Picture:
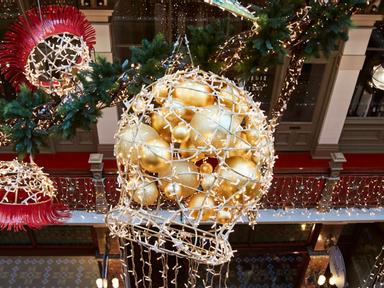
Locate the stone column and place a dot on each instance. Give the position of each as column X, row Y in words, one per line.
column 351, row 62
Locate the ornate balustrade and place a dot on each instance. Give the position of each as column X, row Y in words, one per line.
column 287, row 191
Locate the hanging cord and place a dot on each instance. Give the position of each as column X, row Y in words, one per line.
column 289, row 86
column 45, row 44
column 176, row 55
column 188, row 49
column 27, row 21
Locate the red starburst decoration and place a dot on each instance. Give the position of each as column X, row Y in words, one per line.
column 27, row 197
column 28, row 31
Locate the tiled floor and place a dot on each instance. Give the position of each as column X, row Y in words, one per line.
column 48, row 272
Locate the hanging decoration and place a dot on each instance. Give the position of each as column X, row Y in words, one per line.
column 327, row 26
column 27, row 197
column 46, row 48
column 192, row 148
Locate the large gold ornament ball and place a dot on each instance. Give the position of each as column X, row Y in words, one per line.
column 183, row 173
column 201, row 141
column 155, row 155
column 146, row 193
column 201, row 206
column 193, row 93
column 126, row 145
column 215, row 126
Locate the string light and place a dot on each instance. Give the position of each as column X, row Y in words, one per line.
column 27, row 197
column 218, row 144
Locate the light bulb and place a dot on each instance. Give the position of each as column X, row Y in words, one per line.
column 99, row 283
column 303, row 227
column 321, row 280
column 378, row 77
column 332, row 280
column 115, row 283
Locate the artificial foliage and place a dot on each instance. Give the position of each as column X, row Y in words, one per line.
column 107, row 84
column 206, row 40
column 23, row 130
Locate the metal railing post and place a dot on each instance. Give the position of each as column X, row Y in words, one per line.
column 336, row 166
column 97, row 166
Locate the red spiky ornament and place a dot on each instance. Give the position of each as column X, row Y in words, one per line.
column 27, row 197
column 46, row 48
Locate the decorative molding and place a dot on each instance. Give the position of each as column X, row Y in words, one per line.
column 97, row 15
column 107, row 150
column 366, row 20
column 363, row 135
column 323, row 151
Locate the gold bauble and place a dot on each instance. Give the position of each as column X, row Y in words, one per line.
column 253, row 192
column 237, row 174
column 173, row 190
column 223, row 216
column 159, row 123
column 253, row 136
column 139, row 105
column 193, row 93
column 208, row 181
column 155, row 155
column 160, row 92
column 227, row 96
column 231, row 98
column 185, row 173
column 181, row 132
column 129, row 139
column 245, row 169
column 146, row 193
column 174, row 111
column 214, row 125
column 241, row 147
column 190, row 151
column 202, row 204
column 206, row 168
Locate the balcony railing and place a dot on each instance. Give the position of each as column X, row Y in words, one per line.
column 287, row 191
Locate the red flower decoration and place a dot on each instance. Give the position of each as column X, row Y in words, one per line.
column 27, row 197
column 28, row 31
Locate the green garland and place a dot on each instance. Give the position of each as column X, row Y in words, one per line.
column 105, row 81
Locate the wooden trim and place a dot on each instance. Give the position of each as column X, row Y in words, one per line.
column 362, row 135
column 323, row 151
column 366, row 20
column 106, row 150
column 301, row 279
column 315, row 235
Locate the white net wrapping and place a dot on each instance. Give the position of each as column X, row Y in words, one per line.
column 54, row 62
column 195, row 154
column 24, row 183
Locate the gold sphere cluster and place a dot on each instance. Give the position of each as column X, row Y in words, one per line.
column 195, row 142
